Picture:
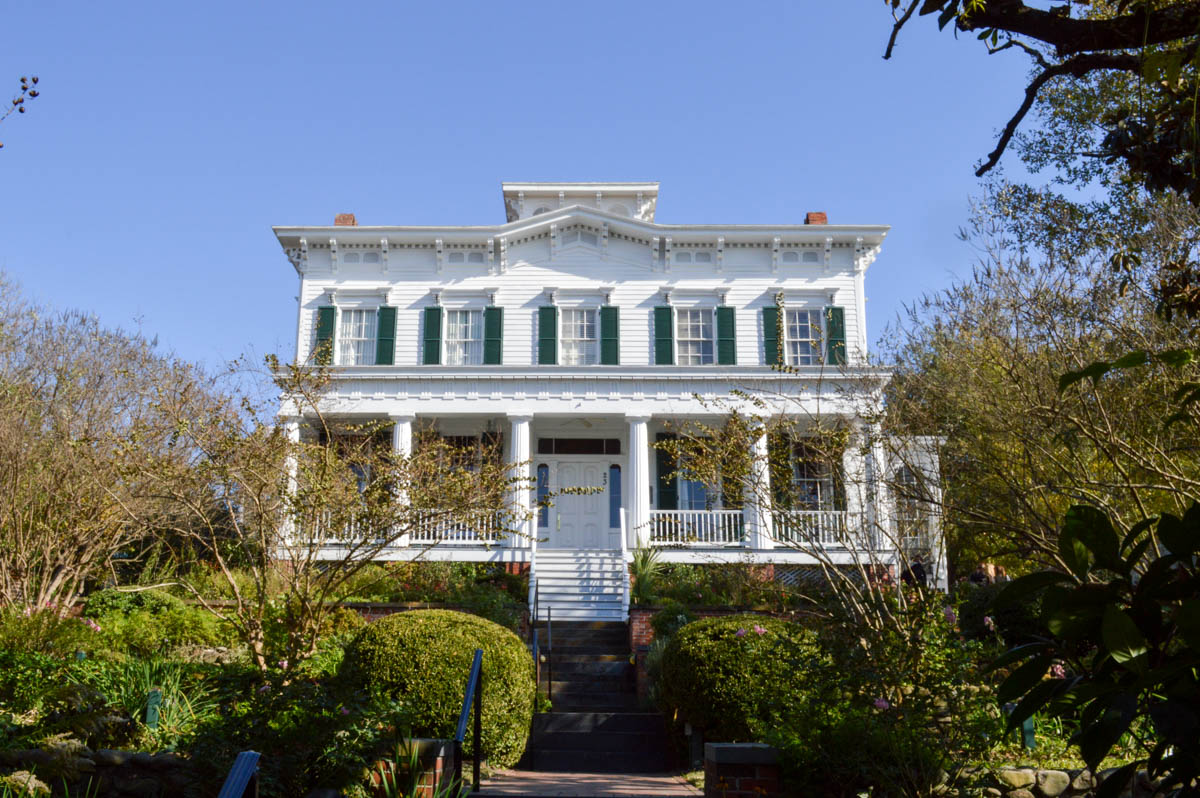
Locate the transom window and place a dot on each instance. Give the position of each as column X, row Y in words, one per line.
column 356, row 337
column 464, row 337
column 694, row 334
column 579, row 337
column 802, row 331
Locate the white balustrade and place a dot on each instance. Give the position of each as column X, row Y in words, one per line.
column 828, row 529
column 472, row 529
column 697, row 528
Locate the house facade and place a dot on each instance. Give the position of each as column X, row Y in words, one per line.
column 581, row 331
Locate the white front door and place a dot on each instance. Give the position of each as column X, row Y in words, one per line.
column 580, row 521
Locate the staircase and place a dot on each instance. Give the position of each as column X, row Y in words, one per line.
column 595, row 726
column 581, row 585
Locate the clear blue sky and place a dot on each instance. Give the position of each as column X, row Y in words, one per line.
column 169, row 137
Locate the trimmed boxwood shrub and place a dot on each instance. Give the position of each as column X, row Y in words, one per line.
column 424, row 657
column 720, row 674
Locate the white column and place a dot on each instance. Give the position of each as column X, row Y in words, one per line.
column 291, row 429
column 520, row 456
column 402, row 446
column 402, row 435
column 757, row 496
column 863, row 523
column 639, row 481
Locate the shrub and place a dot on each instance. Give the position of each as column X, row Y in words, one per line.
column 424, row 657
column 44, row 631
column 670, row 619
column 147, row 634
column 154, row 602
column 720, row 674
column 1015, row 622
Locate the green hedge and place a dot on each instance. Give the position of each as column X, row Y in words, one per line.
column 423, row 657
column 720, row 674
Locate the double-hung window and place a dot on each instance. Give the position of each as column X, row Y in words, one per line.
column 802, row 334
column 464, row 337
column 694, row 336
column 813, row 480
column 580, row 341
column 356, row 337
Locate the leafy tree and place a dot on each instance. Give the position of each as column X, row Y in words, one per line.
column 290, row 514
column 1150, row 45
column 76, row 400
column 1122, row 644
column 980, row 364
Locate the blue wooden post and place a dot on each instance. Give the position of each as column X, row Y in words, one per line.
column 153, row 702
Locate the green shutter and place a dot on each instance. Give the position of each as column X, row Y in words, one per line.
column 726, row 337
column 668, row 491
column 493, row 336
column 323, row 352
column 385, row 336
column 771, row 335
column 779, row 466
column 835, row 336
column 664, row 336
column 433, row 336
column 547, row 335
column 610, row 335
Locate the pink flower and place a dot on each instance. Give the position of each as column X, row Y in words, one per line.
column 741, row 633
column 881, row 703
column 345, row 711
column 1058, row 671
column 282, row 664
column 758, row 630
column 989, row 622
column 950, row 616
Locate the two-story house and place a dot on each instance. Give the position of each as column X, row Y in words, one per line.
column 581, row 330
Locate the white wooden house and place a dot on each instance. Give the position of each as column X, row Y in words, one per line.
column 580, row 329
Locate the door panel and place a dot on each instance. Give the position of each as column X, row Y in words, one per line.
column 581, row 520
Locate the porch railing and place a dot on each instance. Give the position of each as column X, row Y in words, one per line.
column 473, row 529
column 697, row 528
column 829, row 529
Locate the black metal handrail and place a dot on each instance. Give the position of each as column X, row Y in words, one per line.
column 242, row 781
column 537, row 665
column 473, row 695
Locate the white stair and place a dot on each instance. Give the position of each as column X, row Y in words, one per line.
column 581, row 585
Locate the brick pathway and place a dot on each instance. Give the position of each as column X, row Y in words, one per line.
column 585, row 785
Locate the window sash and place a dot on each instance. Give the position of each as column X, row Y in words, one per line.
column 802, row 337
column 356, row 337
column 694, row 335
column 464, row 337
column 579, row 337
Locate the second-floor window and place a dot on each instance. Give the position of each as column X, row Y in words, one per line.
column 579, row 338
column 464, row 337
column 802, row 332
column 356, row 337
column 694, row 336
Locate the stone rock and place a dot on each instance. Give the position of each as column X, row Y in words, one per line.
column 135, row 787
column 1083, row 780
column 1021, row 793
column 1052, row 783
column 82, row 765
column 992, row 792
column 1015, row 779
column 109, row 757
column 141, row 759
column 167, row 761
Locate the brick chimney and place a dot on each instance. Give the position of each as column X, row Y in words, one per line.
column 816, row 217
column 345, row 220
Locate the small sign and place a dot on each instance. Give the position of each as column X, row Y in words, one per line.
column 153, row 702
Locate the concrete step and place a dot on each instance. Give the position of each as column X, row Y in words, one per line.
column 629, row 722
column 599, row 761
column 596, row 702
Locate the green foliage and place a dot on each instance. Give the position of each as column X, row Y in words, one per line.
column 144, row 633
column 644, row 570
column 401, row 774
column 44, row 631
column 1015, row 622
column 1123, row 642
column 26, row 676
column 670, row 619
column 722, row 674
column 152, row 602
column 424, row 657
column 728, row 585
column 891, row 708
